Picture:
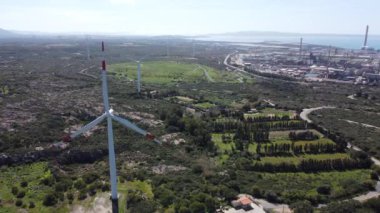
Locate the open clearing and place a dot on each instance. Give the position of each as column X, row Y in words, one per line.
column 164, row 72
column 271, row 112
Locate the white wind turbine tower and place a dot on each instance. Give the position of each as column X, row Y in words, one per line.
column 111, row 150
column 138, row 82
column 139, row 74
column 138, row 77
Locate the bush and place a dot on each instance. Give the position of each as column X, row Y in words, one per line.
column 271, row 196
column 31, row 205
column 256, row 192
column 197, row 169
column 70, row 196
column 90, row 177
column 79, row 184
column 49, row 200
column 14, row 190
column 20, row 194
column 82, row 195
column 18, row 202
column 48, row 181
column 325, row 189
column 61, row 187
column 106, row 187
column 24, row 184
column 374, row 175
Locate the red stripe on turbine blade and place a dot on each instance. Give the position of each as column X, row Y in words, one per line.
column 149, row 136
column 67, row 138
column 104, row 65
column 102, row 46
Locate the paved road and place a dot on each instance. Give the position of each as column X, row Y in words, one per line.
column 305, row 112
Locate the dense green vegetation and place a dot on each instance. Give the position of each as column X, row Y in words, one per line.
column 27, row 186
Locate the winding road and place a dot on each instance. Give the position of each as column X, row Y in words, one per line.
column 305, row 112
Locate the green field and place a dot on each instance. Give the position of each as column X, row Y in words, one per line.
column 34, row 191
column 297, row 159
column 277, row 135
column 270, row 112
column 223, row 147
column 164, row 72
column 183, row 99
column 205, row 105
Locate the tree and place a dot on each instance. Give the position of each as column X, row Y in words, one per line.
column 49, row 200
column 18, row 202
column 82, row 195
column 79, row 184
column 20, row 194
column 70, row 196
column 256, row 192
column 24, row 184
column 324, row 189
column 31, row 205
column 14, row 190
column 271, row 196
column 90, row 177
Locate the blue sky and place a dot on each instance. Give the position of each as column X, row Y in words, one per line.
column 191, row 17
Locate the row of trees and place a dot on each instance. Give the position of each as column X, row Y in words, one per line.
column 339, row 140
column 311, row 165
column 271, row 118
column 232, row 125
column 259, row 136
column 276, row 149
column 304, row 135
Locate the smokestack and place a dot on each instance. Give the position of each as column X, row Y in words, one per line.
column 301, row 40
column 366, row 36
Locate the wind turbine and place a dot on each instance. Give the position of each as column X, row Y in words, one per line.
column 138, row 77
column 193, row 49
column 87, row 48
column 111, row 150
column 138, row 83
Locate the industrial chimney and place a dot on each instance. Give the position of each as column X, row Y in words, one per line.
column 301, row 40
column 366, row 37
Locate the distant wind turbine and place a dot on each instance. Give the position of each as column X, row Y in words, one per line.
column 88, row 48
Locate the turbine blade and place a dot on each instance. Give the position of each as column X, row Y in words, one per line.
column 129, row 125
column 89, row 126
column 135, row 128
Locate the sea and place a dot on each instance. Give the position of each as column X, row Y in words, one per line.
column 343, row 41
